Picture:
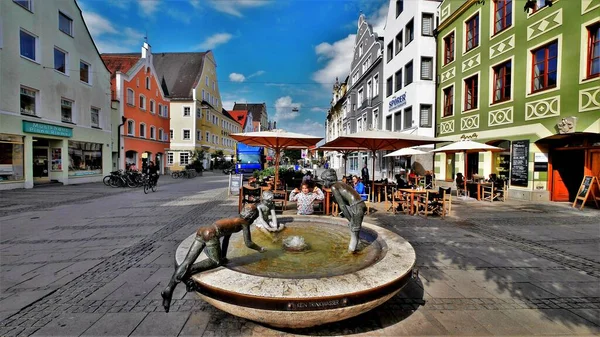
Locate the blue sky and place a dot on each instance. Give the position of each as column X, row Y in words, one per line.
column 285, row 53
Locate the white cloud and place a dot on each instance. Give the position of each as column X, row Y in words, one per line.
column 148, row 7
column 97, row 24
column 122, row 4
column 195, row 3
column 258, row 73
column 284, row 109
column 179, row 15
column 214, row 41
column 111, row 47
column 307, row 127
column 338, row 55
column 235, row 77
column 235, row 7
column 317, row 109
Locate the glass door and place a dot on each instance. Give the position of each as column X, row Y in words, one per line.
column 41, row 164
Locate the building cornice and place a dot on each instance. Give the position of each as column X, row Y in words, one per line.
column 463, row 8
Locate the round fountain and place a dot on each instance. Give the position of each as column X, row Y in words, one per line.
column 306, row 277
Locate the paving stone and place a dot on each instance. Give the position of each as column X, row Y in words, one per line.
column 161, row 324
column 112, row 324
column 592, row 315
column 537, row 321
column 68, row 325
column 460, row 323
column 498, row 323
column 195, row 325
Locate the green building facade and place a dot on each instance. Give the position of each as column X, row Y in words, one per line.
column 525, row 81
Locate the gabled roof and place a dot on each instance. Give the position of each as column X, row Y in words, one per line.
column 120, row 62
column 240, row 116
column 255, row 109
column 226, row 114
column 179, row 72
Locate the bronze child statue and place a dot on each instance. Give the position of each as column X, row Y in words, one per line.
column 350, row 203
column 209, row 236
column 265, row 208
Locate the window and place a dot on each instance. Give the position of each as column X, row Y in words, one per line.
column 84, row 73
column 186, row 111
column 360, row 97
column 425, row 117
column 398, row 76
column 95, row 117
column 408, row 118
column 471, row 85
column 130, row 95
column 360, row 50
column 161, row 134
column 214, row 84
column 160, row 109
column 539, row 4
column 170, row 158
column 151, row 106
column 399, row 7
column 449, row 48
column 184, row 158
column 142, row 130
column 198, row 135
column 408, row 73
column 84, row 158
column 369, row 89
column 398, row 42
column 171, row 134
column 66, row 110
column 65, row 24
column 427, row 24
column 593, row 54
column 448, row 101
column 28, row 45
column 375, row 118
column 207, row 136
column 472, row 32
column 376, row 85
column 502, row 15
column 390, row 86
column 152, row 132
column 165, row 111
column 198, row 112
column 398, row 121
column 24, row 3
column 426, row 68
column 142, row 102
column 28, row 100
column 186, row 134
column 60, row 60
column 148, row 83
column 11, row 154
column 502, row 77
column 130, row 128
column 390, row 51
column 410, row 32
column 206, row 80
column 545, row 63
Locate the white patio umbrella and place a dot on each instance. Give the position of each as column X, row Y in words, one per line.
column 464, row 146
column 278, row 140
column 407, row 151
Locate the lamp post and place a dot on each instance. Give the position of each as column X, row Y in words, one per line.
column 124, row 120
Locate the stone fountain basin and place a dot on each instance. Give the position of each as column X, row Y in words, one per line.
column 305, row 302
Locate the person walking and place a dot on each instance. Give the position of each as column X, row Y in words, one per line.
column 365, row 174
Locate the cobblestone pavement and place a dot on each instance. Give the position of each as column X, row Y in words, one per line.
column 89, row 260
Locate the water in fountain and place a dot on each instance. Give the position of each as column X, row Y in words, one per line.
column 294, row 244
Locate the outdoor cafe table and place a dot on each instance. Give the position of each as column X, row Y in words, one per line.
column 479, row 184
column 412, row 196
column 378, row 190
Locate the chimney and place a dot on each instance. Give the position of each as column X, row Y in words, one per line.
column 274, row 125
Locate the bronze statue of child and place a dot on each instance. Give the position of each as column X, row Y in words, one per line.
column 209, row 236
column 350, row 202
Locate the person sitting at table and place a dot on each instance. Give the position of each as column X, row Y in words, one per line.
column 493, row 178
column 307, row 177
column 306, row 198
column 359, row 187
column 413, row 178
column 401, row 181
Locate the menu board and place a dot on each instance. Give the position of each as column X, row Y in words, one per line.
column 585, row 186
column 235, row 182
column 519, row 168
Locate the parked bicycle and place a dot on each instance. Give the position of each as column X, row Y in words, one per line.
column 184, row 174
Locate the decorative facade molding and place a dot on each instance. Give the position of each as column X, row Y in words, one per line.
column 502, row 46
column 545, row 25
column 445, row 12
column 471, row 63
column 587, row 5
column 469, row 122
column 447, row 126
column 447, row 75
column 501, row 116
column 589, row 99
column 543, row 108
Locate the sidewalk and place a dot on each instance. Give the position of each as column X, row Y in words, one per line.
column 96, row 268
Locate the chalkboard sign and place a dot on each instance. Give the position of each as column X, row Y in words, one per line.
column 235, row 183
column 519, row 168
column 540, row 167
column 587, row 186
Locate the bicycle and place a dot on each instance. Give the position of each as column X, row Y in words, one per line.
column 149, row 184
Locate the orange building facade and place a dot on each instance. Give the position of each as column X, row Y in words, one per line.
column 141, row 100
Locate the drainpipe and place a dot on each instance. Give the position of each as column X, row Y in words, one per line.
column 123, row 119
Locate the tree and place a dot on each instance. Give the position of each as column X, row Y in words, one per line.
column 292, row 154
column 197, row 158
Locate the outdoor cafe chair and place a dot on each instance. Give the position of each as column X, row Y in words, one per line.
column 400, row 202
column 494, row 191
column 446, row 200
column 429, row 203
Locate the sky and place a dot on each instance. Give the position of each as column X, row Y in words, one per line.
column 286, row 53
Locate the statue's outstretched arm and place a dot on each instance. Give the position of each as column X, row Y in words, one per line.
column 274, row 223
column 248, row 239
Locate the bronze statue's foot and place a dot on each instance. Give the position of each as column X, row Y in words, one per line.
column 166, row 299
column 190, row 285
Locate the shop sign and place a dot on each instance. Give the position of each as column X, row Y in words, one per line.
column 47, row 129
column 397, row 101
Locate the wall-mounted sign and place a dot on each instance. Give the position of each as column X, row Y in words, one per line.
column 466, row 137
column 540, row 157
column 47, row 129
column 519, row 168
column 397, row 101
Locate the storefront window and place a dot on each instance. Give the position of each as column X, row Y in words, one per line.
column 11, row 158
column 85, row 158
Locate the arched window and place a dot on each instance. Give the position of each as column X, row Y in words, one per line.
column 130, row 97
column 148, row 83
column 152, row 132
column 130, row 127
column 142, row 102
column 142, row 130
column 161, row 134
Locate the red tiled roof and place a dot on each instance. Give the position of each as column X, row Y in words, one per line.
column 239, row 116
column 120, row 62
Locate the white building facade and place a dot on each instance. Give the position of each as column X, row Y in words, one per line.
column 409, row 74
column 54, row 97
